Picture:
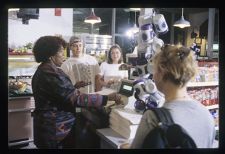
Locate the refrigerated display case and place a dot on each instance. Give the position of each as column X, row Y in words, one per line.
column 21, row 68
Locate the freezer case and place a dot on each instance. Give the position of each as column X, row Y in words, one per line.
column 20, row 122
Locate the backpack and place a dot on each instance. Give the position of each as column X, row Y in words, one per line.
column 167, row 134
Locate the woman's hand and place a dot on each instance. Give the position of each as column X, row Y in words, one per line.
column 115, row 97
column 125, row 67
column 80, row 84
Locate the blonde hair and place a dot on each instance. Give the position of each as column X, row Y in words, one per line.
column 176, row 63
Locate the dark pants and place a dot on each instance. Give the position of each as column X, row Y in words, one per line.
column 86, row 136
column 69, row 142
column 81, row 136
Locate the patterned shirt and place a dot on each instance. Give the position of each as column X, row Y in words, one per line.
column 55, row 103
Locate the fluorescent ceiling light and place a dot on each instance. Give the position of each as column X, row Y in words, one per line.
column 13, row 9
column 135, row 9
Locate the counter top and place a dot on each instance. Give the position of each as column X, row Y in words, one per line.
column 20, row 97
column 112, row 139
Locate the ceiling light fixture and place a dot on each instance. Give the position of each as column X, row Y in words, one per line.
column 182, row 23
column 92, row 18
column 13, row 9
column 133, row 29
column 135, row 9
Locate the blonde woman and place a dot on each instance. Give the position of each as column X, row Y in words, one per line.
column 174, row 66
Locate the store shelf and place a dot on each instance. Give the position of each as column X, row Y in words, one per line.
column 21, row 110
column 212, row 106
column 20, row 53
column 202, row 84
column 20, row 142
column 22, row 59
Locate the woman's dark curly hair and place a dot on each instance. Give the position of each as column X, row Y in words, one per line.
column 47, row 46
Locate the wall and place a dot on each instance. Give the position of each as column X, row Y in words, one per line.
column 20, row 34
column 48, row 24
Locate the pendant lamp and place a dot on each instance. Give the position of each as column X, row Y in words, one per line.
column 182, row 23
column 134, row 29
column 92, row 18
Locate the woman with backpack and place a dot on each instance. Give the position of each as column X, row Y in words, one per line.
column 174, row 67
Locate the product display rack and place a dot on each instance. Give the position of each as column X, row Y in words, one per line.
column 212, row 107
column 20, row 121
column 21, row 67
column 202, row 84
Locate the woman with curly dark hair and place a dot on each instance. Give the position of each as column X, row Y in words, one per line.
column 56, row 97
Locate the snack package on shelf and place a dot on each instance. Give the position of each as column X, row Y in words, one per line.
column 207, row 96
column 206, row 74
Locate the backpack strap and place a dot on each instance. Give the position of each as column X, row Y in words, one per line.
column 163, row 115
column 167, row 135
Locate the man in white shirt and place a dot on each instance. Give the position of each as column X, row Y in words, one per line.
column 82, row 69
column 80, row 66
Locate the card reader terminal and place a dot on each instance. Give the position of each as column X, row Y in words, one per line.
column 126, row 91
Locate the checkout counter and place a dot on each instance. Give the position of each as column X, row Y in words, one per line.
column 98, row 119
column 110, row 139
